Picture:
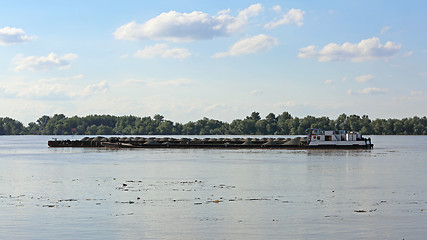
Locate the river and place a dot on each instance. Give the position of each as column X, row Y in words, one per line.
column 76, row 193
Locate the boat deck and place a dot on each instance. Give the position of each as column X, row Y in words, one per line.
column 207, row 143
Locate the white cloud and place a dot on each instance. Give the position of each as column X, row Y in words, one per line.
column 402, row 99
column 286, row 104
column 364, row 78
column 249, row 45
column 413, row 96
column 416, row 93
column 373, row 90
column 44, row 62
column 384, row 29
column 124, row 56
column 255, row 92
column 51, row 89
column 164, row 51
column 11, row 35
column 243, row 17
column 155, row 83
column 39, row 91
column 329, row 82
column 93, row 89
column 214, row 107
column 277, row 8
column 408, row 54
column 175, row 26
column 366, row 50
column 368, row 91
column 131, row 82
column 62, row 79
column 174, row 82
column 295, row 16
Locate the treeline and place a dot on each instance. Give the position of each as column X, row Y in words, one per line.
column 283, row 124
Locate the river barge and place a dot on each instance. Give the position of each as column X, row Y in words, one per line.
column 315, row 139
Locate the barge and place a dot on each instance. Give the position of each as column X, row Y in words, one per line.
column 315, row 139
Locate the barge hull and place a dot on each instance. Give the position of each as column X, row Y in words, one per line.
column 93, row 144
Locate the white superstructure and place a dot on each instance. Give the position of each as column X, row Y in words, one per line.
column 317, row 137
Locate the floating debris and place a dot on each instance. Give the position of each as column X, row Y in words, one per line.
column 50, row 205
column 125, row 214
column 67, row 200
column 126, row 202
column 258, row 199
column 360, row 211
column 364, row 211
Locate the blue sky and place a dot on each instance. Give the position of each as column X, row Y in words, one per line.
column 218, row 59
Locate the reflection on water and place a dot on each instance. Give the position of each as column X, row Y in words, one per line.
column 212, row 194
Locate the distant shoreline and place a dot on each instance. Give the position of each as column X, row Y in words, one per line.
column 282, row 124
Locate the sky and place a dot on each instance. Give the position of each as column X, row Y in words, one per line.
column 220, row 59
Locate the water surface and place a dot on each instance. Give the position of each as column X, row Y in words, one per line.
column 72, row 193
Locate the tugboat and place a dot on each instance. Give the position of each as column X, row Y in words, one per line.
column 337, row 139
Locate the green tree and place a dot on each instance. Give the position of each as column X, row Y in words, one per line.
column 11, row 126
column 285, row 123
column 165, row 128
column 271, row 126
column 261, row 127
column 189, row 128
